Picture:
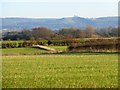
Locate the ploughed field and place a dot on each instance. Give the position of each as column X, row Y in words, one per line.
column 80, row 70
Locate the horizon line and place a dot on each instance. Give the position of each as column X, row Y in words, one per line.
column 58, row 17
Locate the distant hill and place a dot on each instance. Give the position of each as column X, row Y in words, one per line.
column 55, row 24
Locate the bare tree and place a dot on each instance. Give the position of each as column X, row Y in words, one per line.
column 90, row 31
column 42, row 32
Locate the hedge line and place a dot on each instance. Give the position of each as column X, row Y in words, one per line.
column 19, row 44
column 107, row 45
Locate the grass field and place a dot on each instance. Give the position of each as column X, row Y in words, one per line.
column 60, row 71
column 31, row 51
column 61, row 48
column 18, row 51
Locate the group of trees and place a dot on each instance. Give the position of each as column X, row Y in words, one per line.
column 64, row 33
column 108, row 32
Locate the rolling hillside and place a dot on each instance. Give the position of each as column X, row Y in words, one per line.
column 55, row 24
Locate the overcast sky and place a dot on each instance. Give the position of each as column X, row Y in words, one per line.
column 58, row 8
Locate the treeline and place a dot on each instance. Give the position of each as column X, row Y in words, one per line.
column 44, row 33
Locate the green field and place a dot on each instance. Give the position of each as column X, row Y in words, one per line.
column 80, row 70
column 21, row 51
column 61, row 48
column 27, row 51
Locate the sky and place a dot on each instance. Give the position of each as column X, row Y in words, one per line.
column 58, row 8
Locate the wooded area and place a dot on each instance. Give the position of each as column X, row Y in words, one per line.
column 45, row 33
